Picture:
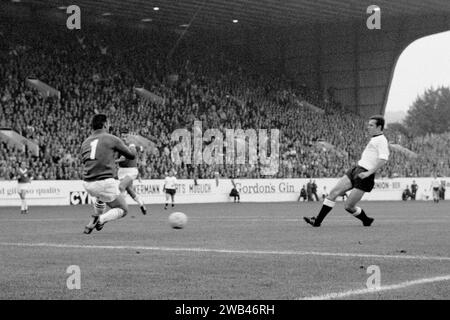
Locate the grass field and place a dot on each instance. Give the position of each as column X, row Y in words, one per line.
column 228, row 251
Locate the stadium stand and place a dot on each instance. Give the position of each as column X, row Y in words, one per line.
column 213, row 86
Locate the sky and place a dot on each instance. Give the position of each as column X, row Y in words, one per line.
column 425, row 63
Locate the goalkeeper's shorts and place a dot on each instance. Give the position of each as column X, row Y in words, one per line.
column 104, row 190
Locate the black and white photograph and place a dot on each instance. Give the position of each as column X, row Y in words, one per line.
column 225, row 155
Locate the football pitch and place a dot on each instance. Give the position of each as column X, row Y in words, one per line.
column 229, row 251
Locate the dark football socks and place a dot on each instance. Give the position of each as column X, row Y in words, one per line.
column 361, row 215
column 326, row 208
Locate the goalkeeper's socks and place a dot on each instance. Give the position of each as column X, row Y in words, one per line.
column 326, row 208
column 112, row 214
column 99, row 207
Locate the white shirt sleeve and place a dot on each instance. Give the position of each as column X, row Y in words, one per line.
column 383, row 149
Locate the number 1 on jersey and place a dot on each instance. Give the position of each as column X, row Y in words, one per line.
column 93, row 149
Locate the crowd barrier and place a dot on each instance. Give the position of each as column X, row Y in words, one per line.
column 62, row 192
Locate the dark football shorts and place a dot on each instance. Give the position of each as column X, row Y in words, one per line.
column 366, row 184
column 170, row 191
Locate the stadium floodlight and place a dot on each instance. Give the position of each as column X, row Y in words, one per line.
column 156, row 8
column 184, row 25
column 147, row 20
column 62, row 7
column 107, row 14
column 235, row 20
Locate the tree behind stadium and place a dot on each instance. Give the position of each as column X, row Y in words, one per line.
column 430, row 113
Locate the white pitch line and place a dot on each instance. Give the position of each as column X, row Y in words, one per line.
column 227, row 251
column 343, row 294
column 340, row 222
column 40, row 220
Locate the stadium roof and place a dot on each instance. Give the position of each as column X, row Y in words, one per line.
column 322, row 43
column 219, row 14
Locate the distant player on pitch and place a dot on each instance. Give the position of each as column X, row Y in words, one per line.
column 435, row 185
column 361, row 178
column 170, row 188
column 127, row 173
column 23, row 184
column 98, row 155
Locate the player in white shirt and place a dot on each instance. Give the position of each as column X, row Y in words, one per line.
column 170, row 188
column 361, row 178
column 435, row 185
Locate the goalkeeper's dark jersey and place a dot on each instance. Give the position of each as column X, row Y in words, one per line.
column 98, row 155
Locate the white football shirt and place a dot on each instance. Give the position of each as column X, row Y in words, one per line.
column 170, row 182
column 377, row 148
column 435, row 183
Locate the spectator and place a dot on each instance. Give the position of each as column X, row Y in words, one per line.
column 303, row 195
column 406, row 194
column 314, row 190
column 414, row 188
column 325, row 193
column 309, row 190
column 442, row 190
column 235, row 193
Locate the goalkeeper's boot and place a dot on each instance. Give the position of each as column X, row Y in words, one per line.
column 91, row 225
column 312, row 221
column 99, row 226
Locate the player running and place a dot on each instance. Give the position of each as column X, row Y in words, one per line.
column 361, row 178
column 170, row 188
column 23, row 184
column 98, row 155
column 127, row 173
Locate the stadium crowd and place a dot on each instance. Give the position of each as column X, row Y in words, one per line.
column 97, row 72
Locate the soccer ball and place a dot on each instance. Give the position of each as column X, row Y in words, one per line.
column 178, row 220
